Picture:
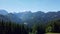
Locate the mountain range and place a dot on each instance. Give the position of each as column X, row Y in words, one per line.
column 28, row 17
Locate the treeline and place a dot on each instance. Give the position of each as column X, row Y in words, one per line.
column 39, row 28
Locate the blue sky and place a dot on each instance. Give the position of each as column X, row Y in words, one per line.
column 30, row 5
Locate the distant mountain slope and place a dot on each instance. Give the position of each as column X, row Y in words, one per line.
column 4, row 18
column 13, row 18
column 37, row 17
column 3, row 12
column 29, row 17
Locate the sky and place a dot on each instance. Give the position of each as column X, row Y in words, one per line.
column 30, row 5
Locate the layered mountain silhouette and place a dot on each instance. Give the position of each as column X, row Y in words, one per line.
column 3, row 12
column 29, row 17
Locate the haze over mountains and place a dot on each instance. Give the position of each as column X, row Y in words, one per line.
column 29, row 18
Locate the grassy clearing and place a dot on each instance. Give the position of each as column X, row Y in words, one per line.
column 52, row 33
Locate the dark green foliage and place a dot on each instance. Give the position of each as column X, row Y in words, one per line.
column 13, row 28
column 53, row 26
column 37, row 28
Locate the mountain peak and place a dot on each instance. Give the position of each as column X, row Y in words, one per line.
column 3, row 12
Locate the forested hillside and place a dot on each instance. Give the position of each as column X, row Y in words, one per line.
column 29, row 23
column 15, row 28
